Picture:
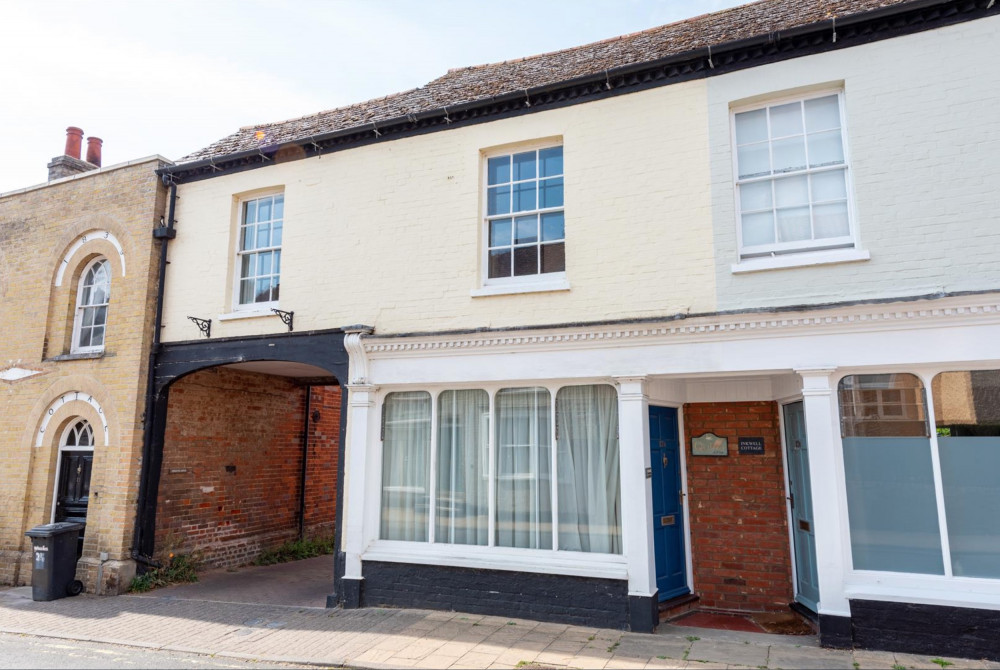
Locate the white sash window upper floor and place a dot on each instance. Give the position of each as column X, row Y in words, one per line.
column 259, row 253
column 792, row 174
column 93, row 298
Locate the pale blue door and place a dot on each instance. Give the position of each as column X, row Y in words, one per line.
column 807, row 584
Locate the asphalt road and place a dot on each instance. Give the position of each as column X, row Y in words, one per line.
column 23, row 651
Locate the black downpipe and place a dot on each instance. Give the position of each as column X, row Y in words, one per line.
column 305, row 463
column 143, row 531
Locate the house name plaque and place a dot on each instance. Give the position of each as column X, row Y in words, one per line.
column 709, row 444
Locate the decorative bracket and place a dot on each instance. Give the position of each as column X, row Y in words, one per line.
column 204, row 325
column 356, row 352
column 286, row 317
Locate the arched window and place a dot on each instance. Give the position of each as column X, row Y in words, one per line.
column 92, row 307
column 79, row 435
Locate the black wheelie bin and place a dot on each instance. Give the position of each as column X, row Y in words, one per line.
column 53, row 548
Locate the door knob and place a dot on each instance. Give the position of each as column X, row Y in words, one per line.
column 665, row 460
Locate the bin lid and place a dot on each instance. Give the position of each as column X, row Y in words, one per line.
column 50, row 529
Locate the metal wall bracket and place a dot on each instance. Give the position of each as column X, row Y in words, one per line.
column 204, row 325
column 286, row 317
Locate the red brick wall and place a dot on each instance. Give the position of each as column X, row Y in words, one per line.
column 739, row 534
column 232, row 460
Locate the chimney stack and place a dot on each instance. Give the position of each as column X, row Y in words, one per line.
column 94, row 150
column 74, row 136
column 70, row 162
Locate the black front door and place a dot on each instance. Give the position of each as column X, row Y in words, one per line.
column 73, row 492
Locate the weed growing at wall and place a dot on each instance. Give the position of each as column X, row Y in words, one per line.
column 296, row 551
column 179, row 569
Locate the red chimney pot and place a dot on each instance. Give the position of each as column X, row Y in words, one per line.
column 94, row 150
column 74, row 136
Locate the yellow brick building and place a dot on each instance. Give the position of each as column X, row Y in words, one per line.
column 78, row 272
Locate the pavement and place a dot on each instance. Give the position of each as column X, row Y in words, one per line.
column 218, row 617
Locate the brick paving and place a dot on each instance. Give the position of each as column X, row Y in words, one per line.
column 410, row 638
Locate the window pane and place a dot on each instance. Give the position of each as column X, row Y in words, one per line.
column 85, row 295
column 275, row 285
column 786, row 120
column 524, row 166
column 967, row 411
column 758, row 229
column 831, row 220
column 755, row 196
column 500, row 232
column 751, row 126
column 263, row 235
column 463, row 468
column 587, row 461
column 277, row 261
column 550, row 162
column 279, row 207
column 523, row 468
column 791, row 191
column 498, row 170
column 88, row 317
column 84, row 340
column 97, row 336
column 554, row 257
column 263, row 291
column 406, row 449
column 789, row 154
column 553, row 227
column 525, row 261
column 793, row 224
column 264, row 263
column 246, row 291
column 550, row 193
column 264, row 209
column 500, row 263
column 891, row 505
column 822, row 113
column 100, row 316
column 882, row 406
column 754, row 160
column 826, row 149
column 829, row 185
column 250, row 212
column 246, row 237
column 99, row 295
column 526, row 229
column 498, row 200
column 276, row 234
column 245, row 264
column 525, row 196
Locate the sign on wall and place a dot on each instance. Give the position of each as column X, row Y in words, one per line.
column 751, row 445
column 709, row 444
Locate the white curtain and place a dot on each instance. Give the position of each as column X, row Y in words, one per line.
column 462, row 468
column 588, row 469
column 524, row 473
column 406, row 459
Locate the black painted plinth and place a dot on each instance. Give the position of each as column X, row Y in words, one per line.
column 926, row 629
column 835, row 631
column 351, row 588
column 643, row 613
column 581, row 601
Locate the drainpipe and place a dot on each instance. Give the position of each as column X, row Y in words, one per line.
column 164, row 233
column 305, row 463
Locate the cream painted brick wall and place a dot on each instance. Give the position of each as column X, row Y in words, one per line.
column 924, row 136
column 389, row 234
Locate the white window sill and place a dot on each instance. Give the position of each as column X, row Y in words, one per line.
column 246, row 314
column 804, row 259
column 525, row 287
column 577, row 564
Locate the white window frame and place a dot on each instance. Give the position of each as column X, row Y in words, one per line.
column 547, row 281
column 490, row 556
column 781, row 254
column 80, row 309
column 238, row 253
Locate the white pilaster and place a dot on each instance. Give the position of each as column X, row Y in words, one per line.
column 829, row 497
column 637, row 491
column 361, row 401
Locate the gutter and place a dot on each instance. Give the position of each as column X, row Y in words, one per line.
column 693, row 55
column 164, row 233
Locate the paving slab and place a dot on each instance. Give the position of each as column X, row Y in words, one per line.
column 817, row 659
column 730, row 653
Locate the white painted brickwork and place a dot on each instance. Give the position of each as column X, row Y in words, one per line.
column 389, row 234
column 924, row 136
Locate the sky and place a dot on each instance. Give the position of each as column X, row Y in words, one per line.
column 171, row 77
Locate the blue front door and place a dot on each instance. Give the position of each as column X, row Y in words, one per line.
column 800, row 499
column 668, row 510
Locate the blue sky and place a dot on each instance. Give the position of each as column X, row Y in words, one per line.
column 171, row 77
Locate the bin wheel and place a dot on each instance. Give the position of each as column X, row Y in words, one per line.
column 74, row 588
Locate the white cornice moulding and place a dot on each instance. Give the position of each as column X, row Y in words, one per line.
column 857, row 318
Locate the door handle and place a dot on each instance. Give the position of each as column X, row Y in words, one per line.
column 666, row 460
column 791, row 499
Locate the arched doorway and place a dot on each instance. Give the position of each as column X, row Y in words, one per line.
column 75, row 463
